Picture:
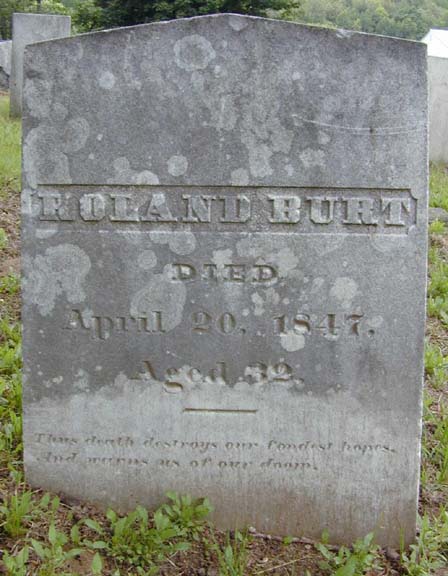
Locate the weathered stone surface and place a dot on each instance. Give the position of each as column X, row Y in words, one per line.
column 5, row 63
column 28, row 29
column 438, row 109
column 224, row 259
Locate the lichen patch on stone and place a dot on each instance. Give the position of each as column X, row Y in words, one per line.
column 60, row 271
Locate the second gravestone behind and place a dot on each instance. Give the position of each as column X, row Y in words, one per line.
column 5, row 63
column 224, row 256
column 28, row 29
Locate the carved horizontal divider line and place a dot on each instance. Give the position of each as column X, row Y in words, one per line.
column 220, row 411
column 301, row 210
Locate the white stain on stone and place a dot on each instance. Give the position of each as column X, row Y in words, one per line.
column 147, row 259
column 224, row 114
column 221, row 257
column 43, row 159
column 42, row 233
column 81, row 380
column 180, row 243
column 177, row 165
column 269, row 251
column 59, row 112
column 197, row 79
column 26, row 202
column 107, row 80
column 60, row 271
column 375, row 322
column 239, row 177
column 344, row 290
column 212, row 92
column 259, row 156
column 162, row 295
column 341, row 33
column 287, row 261
column 75, row 135
column 145, row 177
column 262, row 132
column 121, row 164
column 329, row 244
column 317, row 284
column 291, row 341
column 255, row 246
column 237, row 23
column 53, row 382
column 272, row 296
column 193, row 53
column 313, row 158
column 37, row 94
column 269, row 298
column 124, row 174
column 392, row 243
column 259, row 304
column 323, row 138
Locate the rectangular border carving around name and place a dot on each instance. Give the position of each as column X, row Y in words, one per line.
column 216, row 209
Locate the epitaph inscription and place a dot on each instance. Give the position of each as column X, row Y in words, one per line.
column 224, row 278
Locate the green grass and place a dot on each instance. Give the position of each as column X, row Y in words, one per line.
column 436, row 365
column 10, row 157
column 437, row 258
column 438, row 184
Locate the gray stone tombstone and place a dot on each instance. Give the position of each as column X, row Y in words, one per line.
column 28, row 29
column 5, row 63
column 224, row 227
column 438, row 109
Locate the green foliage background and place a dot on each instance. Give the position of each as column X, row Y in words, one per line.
column 402, row 18
column 127, row 12
column 7, row 7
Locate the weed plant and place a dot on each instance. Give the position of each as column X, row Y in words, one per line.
column 16, row 565
column 363, row 557
column 234, row 555
column 54, row 555
column 134, row 540
column 187, row 514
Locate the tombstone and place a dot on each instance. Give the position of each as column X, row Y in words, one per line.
column 224, row 272
column 438, row 109
column 5, row 63
column 27, row 29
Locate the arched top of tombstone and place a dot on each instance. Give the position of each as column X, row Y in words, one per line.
column 223, row 99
